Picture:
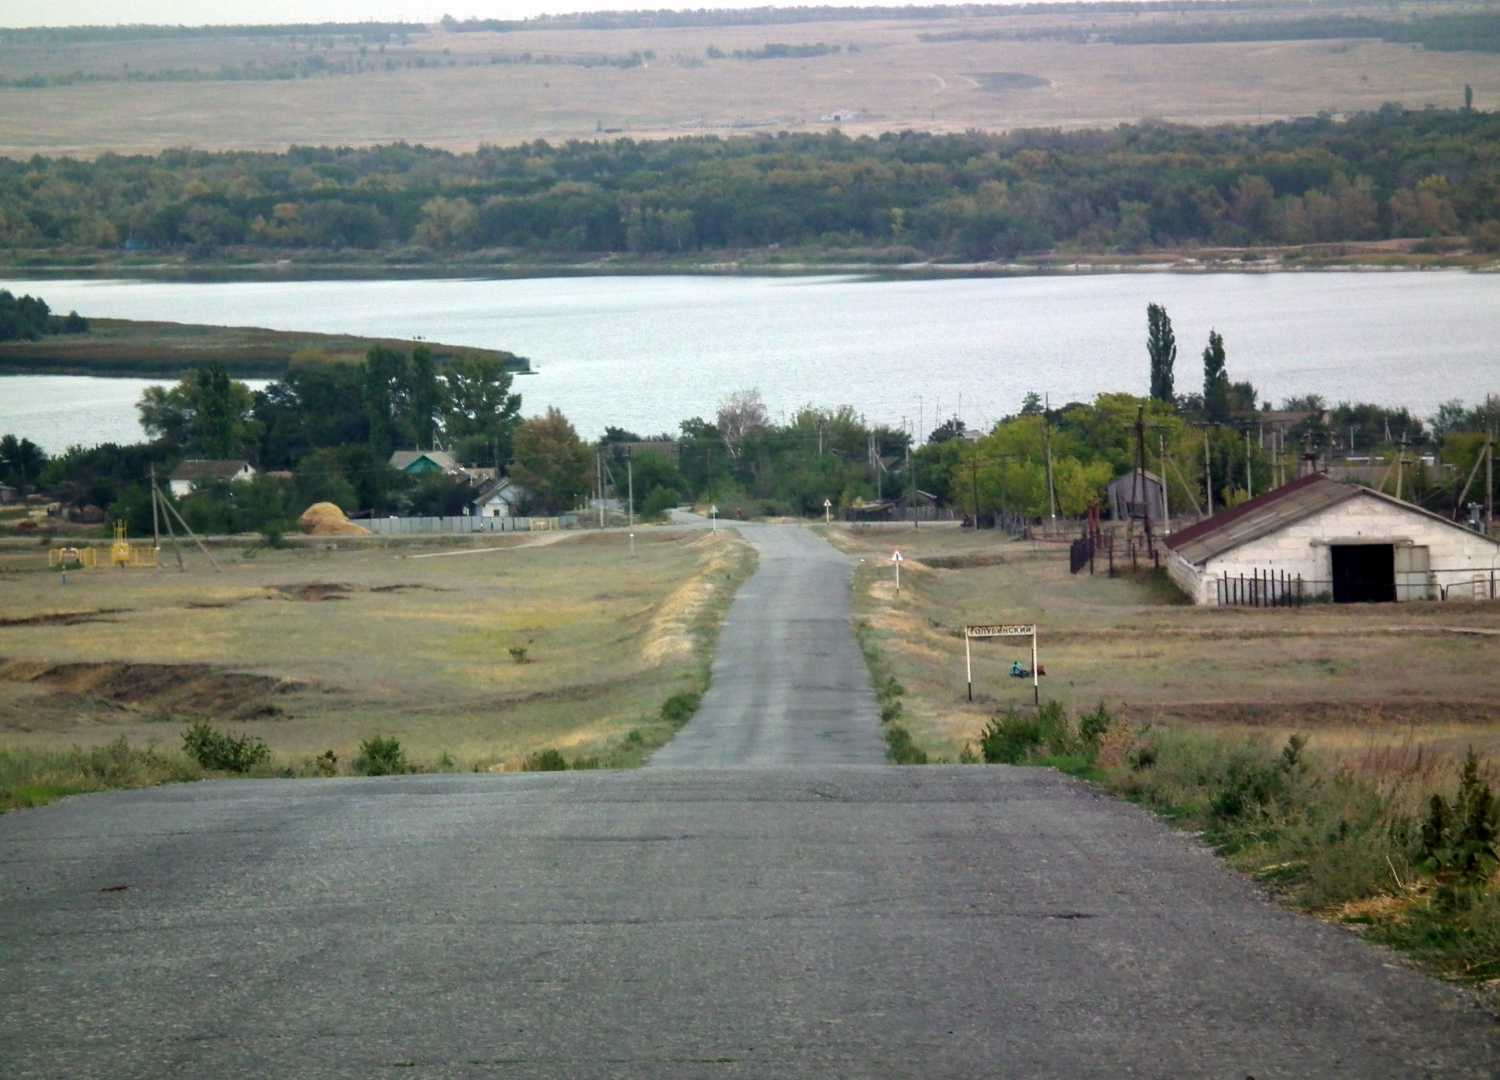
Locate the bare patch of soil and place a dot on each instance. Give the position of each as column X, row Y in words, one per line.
column 66, row 618
column 313, row 592
column 1317, row 714
column 168, row 690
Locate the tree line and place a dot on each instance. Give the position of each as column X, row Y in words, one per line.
column 28, row 318
column 1392, row 173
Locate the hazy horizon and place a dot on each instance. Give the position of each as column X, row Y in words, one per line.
column 52, row 13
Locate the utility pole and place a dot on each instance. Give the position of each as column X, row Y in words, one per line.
column 974, row 483
column 1047, row 445
column 1208, row 475
column 155, row 528
column 630, row 482
column 1249, row 477
column 911, row 477
column 1166, row 500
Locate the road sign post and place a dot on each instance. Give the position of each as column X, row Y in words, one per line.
column 1002, row 630
column 898, row 560
column 713, row 515
column 827, row 512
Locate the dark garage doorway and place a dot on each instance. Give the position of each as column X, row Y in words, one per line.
column 1364, row 573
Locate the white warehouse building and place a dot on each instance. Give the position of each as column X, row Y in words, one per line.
column 1315, row 537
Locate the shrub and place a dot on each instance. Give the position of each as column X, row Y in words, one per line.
column 518, row 653
column 325, row 764
column 222, row 751
column 680, row 707
column 1457, row 844
column 900, row 749
column 380, row 757
column 548, row 760
column 1009, row 739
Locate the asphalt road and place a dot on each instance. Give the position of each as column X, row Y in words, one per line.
column 795, row 920
column 789, row 685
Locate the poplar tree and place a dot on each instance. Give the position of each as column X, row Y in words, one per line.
column 1161, row 344
column 1215, row 379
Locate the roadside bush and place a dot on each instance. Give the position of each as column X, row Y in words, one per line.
column 658, row 501
column 380, row 757
column 680, row 707
column 223, row 752
column 37, row 777
column 548, row 760
column 900, row 749
column 1457, row 840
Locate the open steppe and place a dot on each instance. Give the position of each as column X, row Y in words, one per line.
column 323, row 646
column 1357, row 679
column 472, row 88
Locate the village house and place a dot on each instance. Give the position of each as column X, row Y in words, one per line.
column 500, row 497
column 192, row 474
column 421, row 462
column 1317, row 537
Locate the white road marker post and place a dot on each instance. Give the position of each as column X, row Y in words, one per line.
column 898, row 560
column 713, row 515
column 827, row 512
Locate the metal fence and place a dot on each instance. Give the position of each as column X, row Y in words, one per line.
column 408, row 526
column 1260, row 588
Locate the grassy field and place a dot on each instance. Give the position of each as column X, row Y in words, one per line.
column 472, row 657
column 1319, row 750
column 164, row 350
column 1360, row 680
column 471, row 90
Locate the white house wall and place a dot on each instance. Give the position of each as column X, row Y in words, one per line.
column 1457, row 555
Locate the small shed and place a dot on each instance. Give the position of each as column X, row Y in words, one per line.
column 190, row 474
column 1317, row 537
column 1136, row 494
column 501, row 497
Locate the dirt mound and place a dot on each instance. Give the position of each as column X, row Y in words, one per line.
column 326, row 519
column 182, row 689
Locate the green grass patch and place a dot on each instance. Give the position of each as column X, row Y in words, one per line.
column 1416, row 870
column 900, row 749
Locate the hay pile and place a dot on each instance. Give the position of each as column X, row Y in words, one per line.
column 326, row 519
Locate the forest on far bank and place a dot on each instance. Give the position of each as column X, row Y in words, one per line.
column 1393, row 173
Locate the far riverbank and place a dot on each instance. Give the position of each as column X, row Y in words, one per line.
column 1448, row 253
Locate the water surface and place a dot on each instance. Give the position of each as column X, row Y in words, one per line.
column 645, row 352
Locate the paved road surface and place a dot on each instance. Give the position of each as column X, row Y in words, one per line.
column 824, row 921
column 789, row 685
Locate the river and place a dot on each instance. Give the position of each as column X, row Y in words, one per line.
column 645, row 352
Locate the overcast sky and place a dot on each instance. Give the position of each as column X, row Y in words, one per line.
column 201, row 12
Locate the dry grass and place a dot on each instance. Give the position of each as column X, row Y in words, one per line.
column 894, row 81
column 317, row 649
column 1361, row 681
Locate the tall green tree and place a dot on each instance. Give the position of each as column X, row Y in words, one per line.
column 21, row 462
column 551, row 462
column 207, row 415
column 1161, row 346
column 387, row 398
column 426, row 397
column 1215, row 379
column 480, row 414
column 216, row 411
